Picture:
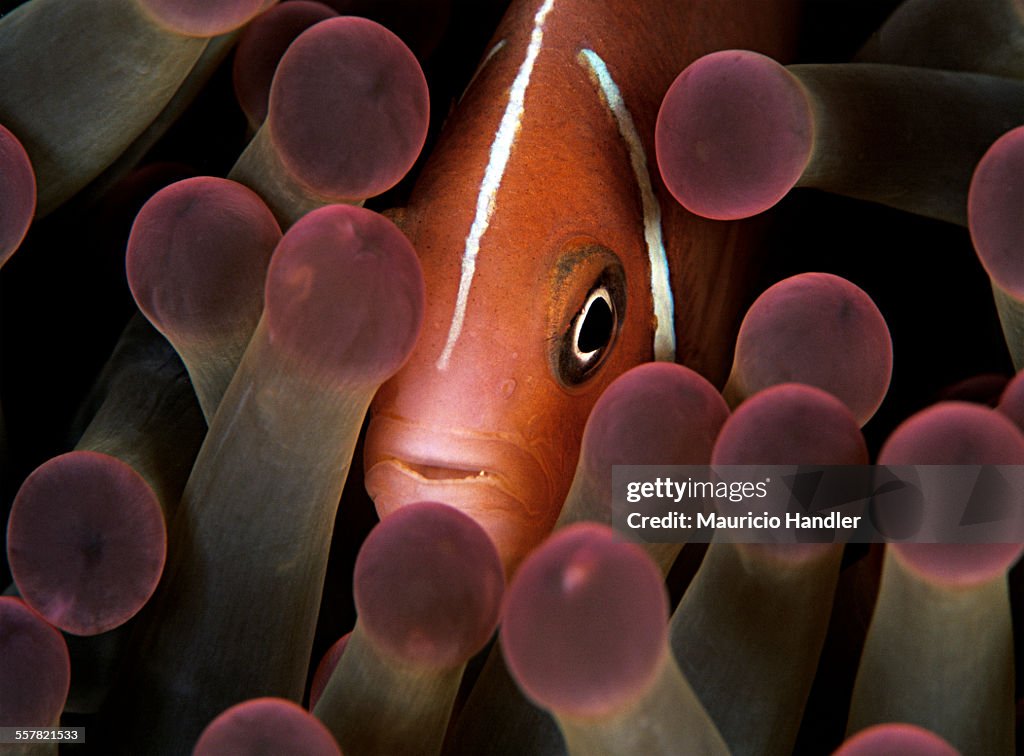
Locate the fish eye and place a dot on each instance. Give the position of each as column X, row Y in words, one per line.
column 594, row 326
column 587, row 313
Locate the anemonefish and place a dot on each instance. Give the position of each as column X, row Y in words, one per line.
column 554, row 258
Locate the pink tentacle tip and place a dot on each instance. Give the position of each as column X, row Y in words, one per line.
column 428, row 585
column 958, row 565
column 734, row 134
column 349, row 109
column 954, row 433
column 655, row 413
column 983, row 388
column 197, row 257
column 344, row 294
column 791, row 424
column 35, row 670
column 902, row 739
column 1011, row 402
column 261, row 46
column 326, row 668
column 585, row 622
column 264, row 726
column 202, row 18
column 819, row 329
column 86, row 542
column 17, row 194
column 995, row 211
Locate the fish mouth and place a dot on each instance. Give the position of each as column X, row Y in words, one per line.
column 427, row 471
column 490, row 477
column 450, row 460
column 434, row 477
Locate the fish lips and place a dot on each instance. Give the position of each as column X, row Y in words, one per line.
column 493, row 478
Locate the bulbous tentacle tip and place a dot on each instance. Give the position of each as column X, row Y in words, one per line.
column 86, row 541
column 819, row 329
column 734, row 134
column 906, row 739
column 791, row 424
column 17, row 194
column 197, row 257
column 266, row 725
column 428, row 585
column 202, row 18
column 954, row 433
column 36, row 666
column 1011, row 401
column 958, row 565
column 324, row 670
column 261, row 46
column 654, row 413
column 995, row 211
column 585, row 622
column 344, row 294
column 349, row 109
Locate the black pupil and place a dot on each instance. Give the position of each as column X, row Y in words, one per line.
column 597, row 327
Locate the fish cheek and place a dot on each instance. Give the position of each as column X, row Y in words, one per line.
column 585, row 313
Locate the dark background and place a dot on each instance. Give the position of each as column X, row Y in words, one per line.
column 63, row 297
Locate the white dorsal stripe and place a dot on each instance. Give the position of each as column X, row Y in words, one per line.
column 661, row 286
column 501, row 149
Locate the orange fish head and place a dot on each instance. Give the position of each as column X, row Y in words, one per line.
column 539, row 293
column 496, row 430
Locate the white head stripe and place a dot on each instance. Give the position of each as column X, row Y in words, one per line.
column 501, row 149
column 661, row 286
